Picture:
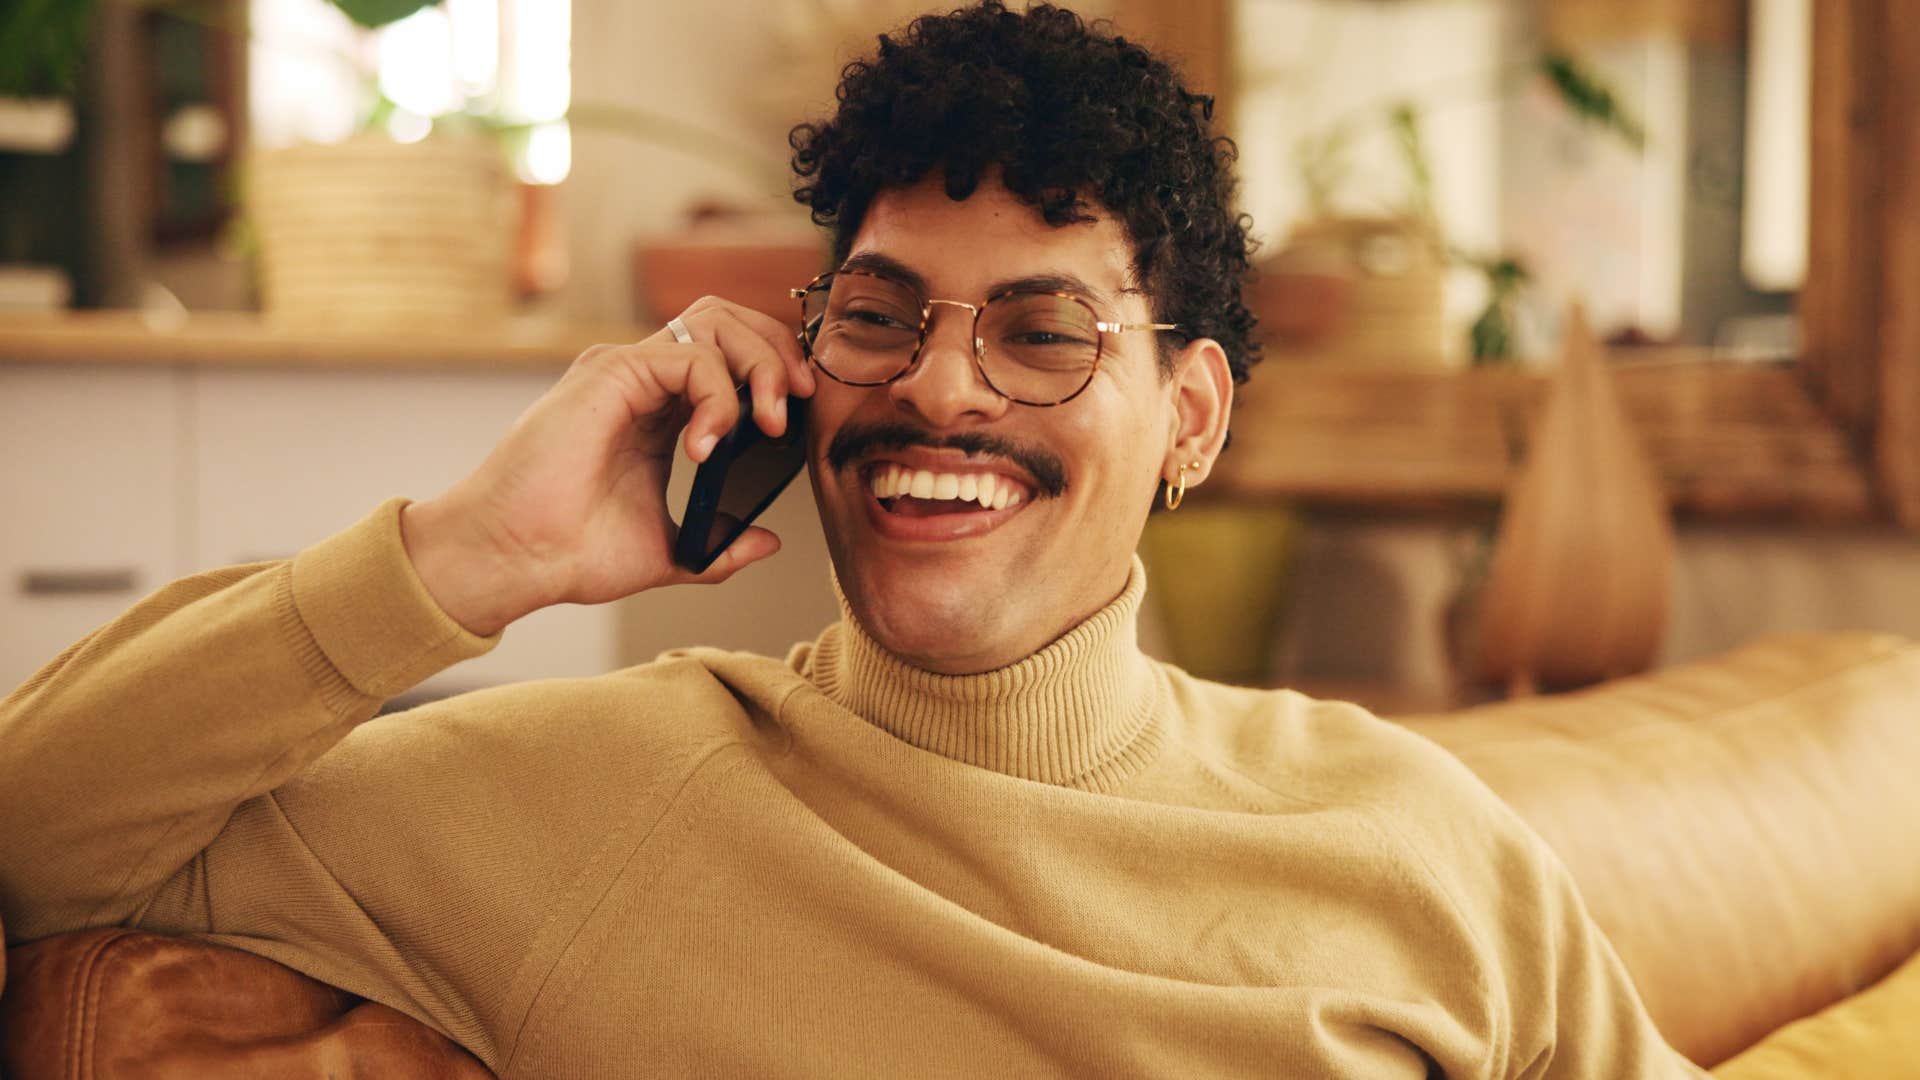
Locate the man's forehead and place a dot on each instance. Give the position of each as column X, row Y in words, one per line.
column 991, row 238
column 1049, row 280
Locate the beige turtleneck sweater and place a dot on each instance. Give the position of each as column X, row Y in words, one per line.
column 723, row 864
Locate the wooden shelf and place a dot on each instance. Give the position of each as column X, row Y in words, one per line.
column 1730, row 439
column 239, row 339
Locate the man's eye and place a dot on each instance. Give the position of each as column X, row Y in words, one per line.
column 880, row 318
column 1047, row 337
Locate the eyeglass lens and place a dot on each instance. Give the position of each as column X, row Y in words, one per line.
column 1038, row 347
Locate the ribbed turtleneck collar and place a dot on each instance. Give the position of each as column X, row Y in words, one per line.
column 1081, row 712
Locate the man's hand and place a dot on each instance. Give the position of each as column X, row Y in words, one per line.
column 571, row 507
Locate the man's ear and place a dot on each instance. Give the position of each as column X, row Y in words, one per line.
column 1202, row 404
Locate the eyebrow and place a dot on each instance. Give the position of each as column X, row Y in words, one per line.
column 873, row 262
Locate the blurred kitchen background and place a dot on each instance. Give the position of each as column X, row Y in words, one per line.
column 1591, row 326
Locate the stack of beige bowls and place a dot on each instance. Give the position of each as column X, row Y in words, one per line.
column 371, row 234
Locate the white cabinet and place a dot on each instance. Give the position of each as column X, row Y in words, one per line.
column 284, row 458
column 90, row 521
column 114, row 481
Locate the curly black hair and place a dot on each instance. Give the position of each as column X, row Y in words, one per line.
column 1066, row 114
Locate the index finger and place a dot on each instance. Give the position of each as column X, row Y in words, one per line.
column 752, row 359
column 783, row 338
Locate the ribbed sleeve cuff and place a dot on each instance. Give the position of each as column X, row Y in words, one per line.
column 372, row 618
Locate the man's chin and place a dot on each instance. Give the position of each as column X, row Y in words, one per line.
column 940, row 620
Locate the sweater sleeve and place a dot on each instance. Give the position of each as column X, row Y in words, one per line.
column 125, row 757
column 1576, row 1011
column 1564, row 1005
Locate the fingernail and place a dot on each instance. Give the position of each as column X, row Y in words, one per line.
column 780, row 409
column 704, row 446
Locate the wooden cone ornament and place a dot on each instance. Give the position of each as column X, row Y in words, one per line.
column 1577, row 589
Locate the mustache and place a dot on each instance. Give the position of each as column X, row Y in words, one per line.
column 851, row 442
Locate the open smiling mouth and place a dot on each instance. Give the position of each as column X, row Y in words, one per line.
column 964, row 503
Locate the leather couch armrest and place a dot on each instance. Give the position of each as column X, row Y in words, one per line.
column 1742, row 827
column 110, row 1003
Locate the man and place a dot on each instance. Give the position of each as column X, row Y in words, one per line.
column 971, row 830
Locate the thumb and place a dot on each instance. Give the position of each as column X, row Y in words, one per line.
column 747, row 548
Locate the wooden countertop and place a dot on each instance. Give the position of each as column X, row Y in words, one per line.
column 1730, row 440
column 242, row 339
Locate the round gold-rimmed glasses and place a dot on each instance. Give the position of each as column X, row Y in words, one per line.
column 1031, row 347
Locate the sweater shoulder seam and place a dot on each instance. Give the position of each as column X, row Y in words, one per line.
column 1482, row 978
column 556, row 952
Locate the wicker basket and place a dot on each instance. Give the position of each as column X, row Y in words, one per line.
column 373, row 234
column 1390, row 308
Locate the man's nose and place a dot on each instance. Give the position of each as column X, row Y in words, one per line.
column 945, row 388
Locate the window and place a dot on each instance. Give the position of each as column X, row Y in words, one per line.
column 316, row 77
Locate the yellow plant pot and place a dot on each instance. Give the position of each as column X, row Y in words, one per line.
column 1217, row 576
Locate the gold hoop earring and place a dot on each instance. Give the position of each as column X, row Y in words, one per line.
column 1175, row 495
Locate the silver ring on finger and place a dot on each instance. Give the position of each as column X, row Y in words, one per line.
column 679, row 331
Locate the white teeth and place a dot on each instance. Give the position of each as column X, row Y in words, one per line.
column 987, row 486
column 990, row 491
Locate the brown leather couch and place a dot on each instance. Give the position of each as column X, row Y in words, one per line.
column 1746, row 830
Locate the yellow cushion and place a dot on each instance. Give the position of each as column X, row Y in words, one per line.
column 1873, row 1034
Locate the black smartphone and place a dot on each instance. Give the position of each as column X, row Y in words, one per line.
column 739, row 480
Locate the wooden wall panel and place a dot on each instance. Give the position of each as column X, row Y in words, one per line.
column 1839, row 304
column 1897, row 445
column 1861, row 304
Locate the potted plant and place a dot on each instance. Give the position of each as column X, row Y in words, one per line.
column 42, row 46
column 372, row 233
column 1370, row 286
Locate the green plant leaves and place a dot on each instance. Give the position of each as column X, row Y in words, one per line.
column 42, row 46
column 374, row 14
column 1589, row 97
column 1491, row 335
column 1404, row 122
